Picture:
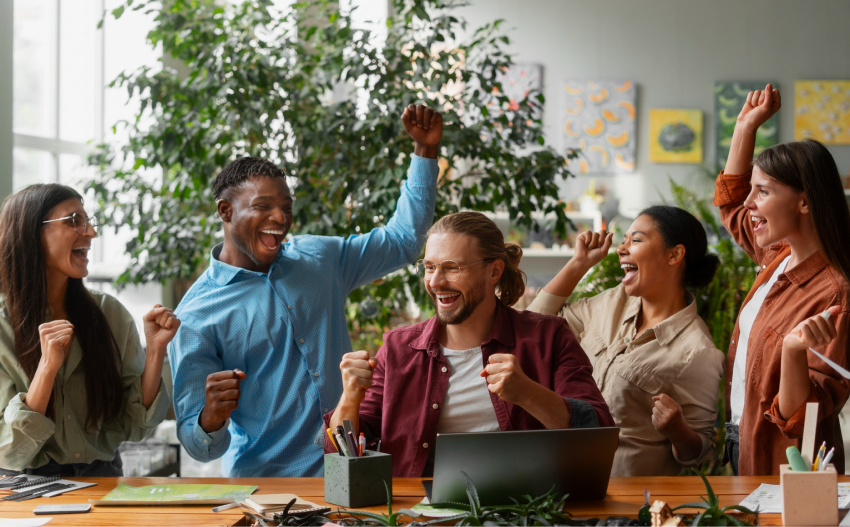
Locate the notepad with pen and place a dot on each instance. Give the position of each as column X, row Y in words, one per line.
column 269, row 504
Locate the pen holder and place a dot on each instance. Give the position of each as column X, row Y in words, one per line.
column 358, row 481
column 809, row 498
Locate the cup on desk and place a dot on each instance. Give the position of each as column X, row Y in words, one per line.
column 358, row 481
column 809, row 498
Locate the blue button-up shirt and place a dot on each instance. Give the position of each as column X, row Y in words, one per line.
column 287, row 331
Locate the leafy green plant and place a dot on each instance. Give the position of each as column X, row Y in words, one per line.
column 310, row 91
column 712, row 513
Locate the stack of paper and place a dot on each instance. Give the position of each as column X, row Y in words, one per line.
column 267, row 504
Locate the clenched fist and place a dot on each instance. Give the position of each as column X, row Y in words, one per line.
column 357, row 368
column 222, row 398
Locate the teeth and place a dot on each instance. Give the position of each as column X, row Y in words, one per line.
column 269, row 231
column 446, row 295
column 628, row 266
column 756, row 219
column 81, row 249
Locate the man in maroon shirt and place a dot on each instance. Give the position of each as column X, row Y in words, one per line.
column 478, row 365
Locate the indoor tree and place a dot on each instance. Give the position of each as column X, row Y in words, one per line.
column 306, row 89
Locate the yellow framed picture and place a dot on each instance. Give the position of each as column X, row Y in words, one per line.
column 822, row 111
column 675, row 136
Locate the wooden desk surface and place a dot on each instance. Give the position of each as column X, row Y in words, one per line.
column 624, row 498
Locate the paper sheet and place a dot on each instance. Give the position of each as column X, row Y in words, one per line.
column 23, row 522
column 768, row 498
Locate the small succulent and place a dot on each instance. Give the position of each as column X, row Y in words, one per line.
column 712, row 513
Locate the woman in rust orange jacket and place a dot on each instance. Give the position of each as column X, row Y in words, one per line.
column 787, row 210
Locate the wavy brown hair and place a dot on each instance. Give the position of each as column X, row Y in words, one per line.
column 23, row 281
column 491, row 246
column 808, row 167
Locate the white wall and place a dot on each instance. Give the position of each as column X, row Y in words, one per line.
column 675, row 50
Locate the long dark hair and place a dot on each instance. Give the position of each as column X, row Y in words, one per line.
column 491, row 244
column 23, row 281
column 808, row 167
column 680, row 227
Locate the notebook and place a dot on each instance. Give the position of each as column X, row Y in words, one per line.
column 273, row 503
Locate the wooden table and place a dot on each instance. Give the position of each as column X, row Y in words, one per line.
column 624, row 498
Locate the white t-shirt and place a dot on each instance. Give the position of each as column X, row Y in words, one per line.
column 748, row 316
column 467, row 407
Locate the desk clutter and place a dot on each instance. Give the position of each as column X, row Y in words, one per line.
column 27, row 487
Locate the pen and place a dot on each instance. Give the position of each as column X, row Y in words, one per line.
column 352, row 443
column 225, row 507
column 827, row 459
column 819, row 458
column 333, row 441
column 362, row 443
column 343, row 446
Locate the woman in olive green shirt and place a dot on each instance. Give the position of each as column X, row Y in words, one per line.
column 653, row 358
column 74, row 379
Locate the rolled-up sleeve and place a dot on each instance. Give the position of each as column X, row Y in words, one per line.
column 828, row 388
column 23, row 432
column 193, row 357
column 695, row 390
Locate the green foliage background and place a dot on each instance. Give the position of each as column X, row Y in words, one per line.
column 309, row 91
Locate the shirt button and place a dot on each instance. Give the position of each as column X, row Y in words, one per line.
column 445, row 369
column 763, row 266
column 289, row 306
column 206, row 441
column 301, row 341
column 424, row 445
column 435, row 406
column 316, row 374
column 633, row 346
column 326, row 410
column 77, row 455
column 733, row 341
column 627, row 339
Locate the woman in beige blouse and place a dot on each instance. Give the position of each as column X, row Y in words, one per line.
column 653, row 357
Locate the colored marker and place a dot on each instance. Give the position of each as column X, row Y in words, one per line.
column 352, row 443
column 362, row 443
column 333, row 441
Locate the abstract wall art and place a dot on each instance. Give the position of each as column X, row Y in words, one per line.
column 675, row 136
column 729, row 98
column 822, row 111
column 599, row 118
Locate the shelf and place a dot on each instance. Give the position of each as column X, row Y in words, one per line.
column 548, row 253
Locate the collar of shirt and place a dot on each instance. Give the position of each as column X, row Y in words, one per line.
column 223, row 274
column 805, row 270
column 503, row 331
column 666, row 330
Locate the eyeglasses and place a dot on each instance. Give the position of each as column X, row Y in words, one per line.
column 79, row 222
column 449, row 269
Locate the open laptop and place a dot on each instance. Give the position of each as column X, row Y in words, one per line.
column 503, row 465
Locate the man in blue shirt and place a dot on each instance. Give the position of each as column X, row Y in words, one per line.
column 255, row 361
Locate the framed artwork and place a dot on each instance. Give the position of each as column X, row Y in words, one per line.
column 729, row 98
column 822, row 111
column 675, row 136
column 599, row 118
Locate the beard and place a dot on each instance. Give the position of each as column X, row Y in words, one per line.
column 470, row 302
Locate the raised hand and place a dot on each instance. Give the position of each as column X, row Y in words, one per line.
column 357, row 369
column 160, row 327
column 55, row 338
column 592, row 247
column 425, row 126
column 760, row 106
column 222, row 398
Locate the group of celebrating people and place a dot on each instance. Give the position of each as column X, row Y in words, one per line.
column 262, row 361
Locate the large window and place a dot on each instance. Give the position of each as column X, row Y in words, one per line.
column 63, row 64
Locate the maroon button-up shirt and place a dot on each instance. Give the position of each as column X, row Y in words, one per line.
column 412, row 376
